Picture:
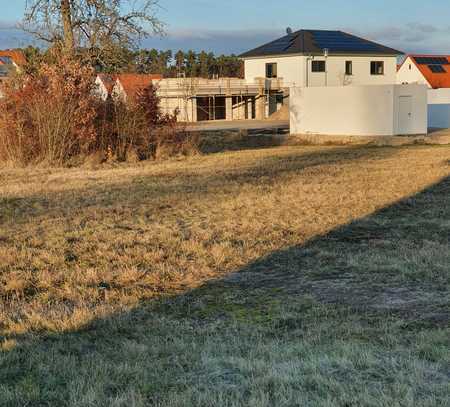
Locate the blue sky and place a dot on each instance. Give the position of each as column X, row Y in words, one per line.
column 237, row 25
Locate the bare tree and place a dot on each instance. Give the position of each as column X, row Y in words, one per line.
column 92, row 24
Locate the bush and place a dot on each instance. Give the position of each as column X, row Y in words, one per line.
column 54, row 116
column 48, row 116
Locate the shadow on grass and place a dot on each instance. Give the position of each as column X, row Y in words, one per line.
column 391, row 264
column 266, row 171
column 218, row 142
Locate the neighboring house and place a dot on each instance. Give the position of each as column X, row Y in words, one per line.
column 11, row 60
column 105, row 85
column 127, row 86
column 309, row 58
column 430, row 70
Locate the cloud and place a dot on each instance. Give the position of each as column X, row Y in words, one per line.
column 8, row 25
column 409, row 37
column 218, row 41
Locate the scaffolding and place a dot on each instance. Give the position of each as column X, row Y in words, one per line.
column 218, row 99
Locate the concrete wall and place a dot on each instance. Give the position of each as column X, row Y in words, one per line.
column 358, row 110
column 439, row 108
column 409, row 74
column 293, row 70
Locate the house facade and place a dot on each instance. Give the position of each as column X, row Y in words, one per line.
column 312, row 58
column 430, row 70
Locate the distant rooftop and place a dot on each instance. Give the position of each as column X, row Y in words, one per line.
column 315, row 42
column 11, row 55
column 434, row 68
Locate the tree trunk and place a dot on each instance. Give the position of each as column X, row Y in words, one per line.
column 66, row 15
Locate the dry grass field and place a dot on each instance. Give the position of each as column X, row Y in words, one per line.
column 284, row 276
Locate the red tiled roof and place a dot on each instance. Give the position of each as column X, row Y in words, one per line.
column 436, row 80
column 132, row 82
column 17, row 56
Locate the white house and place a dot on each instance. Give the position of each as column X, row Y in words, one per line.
column 430, row 70
column 434, row 72
column 309, row 58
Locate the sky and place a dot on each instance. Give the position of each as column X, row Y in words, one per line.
column 235, row 26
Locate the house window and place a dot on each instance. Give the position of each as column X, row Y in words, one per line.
column 271, row 70
column 377, row 68
column 318, row 66
column 349, row 68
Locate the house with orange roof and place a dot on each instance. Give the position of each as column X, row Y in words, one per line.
column 434, row 72
column 105, row 85
column 430, row 70
column 11, row 59
column 127, row 86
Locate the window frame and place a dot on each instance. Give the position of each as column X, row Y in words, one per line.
column 349, row 64
column 274, row 72
column 375, row 72
column 321, row 63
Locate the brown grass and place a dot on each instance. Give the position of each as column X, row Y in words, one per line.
column 78, row 245
column 310, row 276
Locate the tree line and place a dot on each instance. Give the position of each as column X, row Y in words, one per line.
column 151, row 61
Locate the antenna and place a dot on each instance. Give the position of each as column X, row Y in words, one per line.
column 289, row 31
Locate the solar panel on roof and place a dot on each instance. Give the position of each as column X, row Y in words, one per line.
column 437, row 69
column 6, row 60
column 338, row 41
column 432, row 60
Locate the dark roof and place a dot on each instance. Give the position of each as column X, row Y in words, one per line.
column 316, row 41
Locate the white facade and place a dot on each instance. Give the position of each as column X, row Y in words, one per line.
column 296, row 70
column 100, row 89
column 410, row 74
column 385, row 110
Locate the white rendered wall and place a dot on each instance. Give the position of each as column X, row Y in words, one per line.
column 335, row 75
column 356, row 110
column 419, row 112
column 409, row 73
column 292, row 70
column 100, row 89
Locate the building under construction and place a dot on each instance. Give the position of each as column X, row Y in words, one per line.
column 198, row 99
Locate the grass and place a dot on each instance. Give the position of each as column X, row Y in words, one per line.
column 287, row 276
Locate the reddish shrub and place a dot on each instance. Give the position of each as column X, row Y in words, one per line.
column 53, row 115
column 49, row 115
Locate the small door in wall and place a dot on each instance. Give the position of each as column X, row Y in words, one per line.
column 405, row 115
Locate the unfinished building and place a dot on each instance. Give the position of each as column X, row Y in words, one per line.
column 198, row 99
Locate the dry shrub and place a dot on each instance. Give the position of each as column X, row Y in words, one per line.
column 54, row 116
column 137, row 130
column 48, row 116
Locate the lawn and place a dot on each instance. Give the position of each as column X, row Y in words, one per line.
column 278, row 276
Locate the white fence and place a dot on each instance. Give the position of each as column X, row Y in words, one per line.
column 384, row 110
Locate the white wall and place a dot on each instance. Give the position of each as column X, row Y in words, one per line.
column 357, row 110
column 409, row 74
column 439, row 108
column 292, row 69
column 100, row 89
column 335, row 75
